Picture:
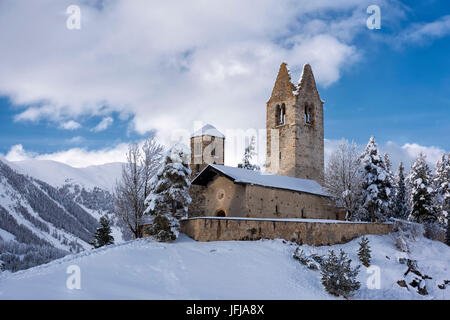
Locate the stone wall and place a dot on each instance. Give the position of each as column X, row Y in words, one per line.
column 305, row 231
column 263, row 202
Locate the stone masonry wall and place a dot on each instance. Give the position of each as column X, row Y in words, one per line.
column 304, row 232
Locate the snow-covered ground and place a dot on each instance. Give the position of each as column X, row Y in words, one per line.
column 187, row 269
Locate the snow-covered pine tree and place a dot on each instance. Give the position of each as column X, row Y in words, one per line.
column 420, row 200
column 377, row 187
column 391, row 178
column 401, row 194
column 387, row 162
column 441, row 184
column 103, row 235
column 338, row 277
column 170, row 195
column 248, row 156
column 364, row 252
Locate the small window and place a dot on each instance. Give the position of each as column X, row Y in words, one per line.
column 303, row 213
column 213, row 152
column 309, row 114
column 280, row 155
column 283, row 114
column 197, row 168
column 280, row 115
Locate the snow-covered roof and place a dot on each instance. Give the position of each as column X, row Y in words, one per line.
column 239, row 175
column 208, row 130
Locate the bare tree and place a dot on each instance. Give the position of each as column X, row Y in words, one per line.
column 343, row 177
column 134, row 187
column 152, row 156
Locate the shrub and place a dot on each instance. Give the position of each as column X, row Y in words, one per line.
column 338, row 277
column 364, row 252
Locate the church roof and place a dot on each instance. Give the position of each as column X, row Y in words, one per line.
column 208, row 130
column 244, row 176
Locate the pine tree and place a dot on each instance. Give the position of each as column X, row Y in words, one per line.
column 169, row 197
column 364, row 252
column 441, row 184
column 401, row 195
column 391, row 182
column 420, row 201
column 338, row 277
column 103, row 235
column 248, row 156
column 377, row 187
column 387, row 163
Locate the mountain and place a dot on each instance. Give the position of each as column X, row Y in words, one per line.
column 48, row 209
column 249, row 270
column 59, row 174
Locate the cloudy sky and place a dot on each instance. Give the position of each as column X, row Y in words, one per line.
column 137, row 66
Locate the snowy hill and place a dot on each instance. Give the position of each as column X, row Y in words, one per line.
column 40, row 222
column 91, row 187
column 58, row 174
column 186, row 269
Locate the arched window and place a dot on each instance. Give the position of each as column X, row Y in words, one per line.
column 221, row 213
column 283, row 114
column 277, row 114
column 280, row 114
column 309, row 114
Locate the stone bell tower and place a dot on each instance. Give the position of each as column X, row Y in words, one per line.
column 207, row 147
column 294, row 124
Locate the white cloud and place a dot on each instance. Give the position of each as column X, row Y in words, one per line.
column 104, row 124
column 80, row 157
column 424, row 32
column 168, row 63
column 70, row 125
column 76, row 140
column 76, row 157
column 407, row 153
column 17, row 153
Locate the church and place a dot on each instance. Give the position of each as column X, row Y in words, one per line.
column 291, row 187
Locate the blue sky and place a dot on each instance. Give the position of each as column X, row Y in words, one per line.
column 140, row 72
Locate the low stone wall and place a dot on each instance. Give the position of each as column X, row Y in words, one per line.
column 304, row 231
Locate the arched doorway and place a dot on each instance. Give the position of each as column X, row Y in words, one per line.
column 221, row 213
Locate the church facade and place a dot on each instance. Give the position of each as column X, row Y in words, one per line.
column 291, row 187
